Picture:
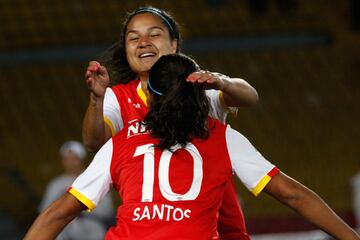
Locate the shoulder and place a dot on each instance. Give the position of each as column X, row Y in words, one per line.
column 212, row 92
column 123, row 91
column 216, row 126
column 130, row 85
column 120, row 136
column 216, row 136
column 133, row 129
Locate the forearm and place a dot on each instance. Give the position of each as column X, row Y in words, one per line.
column 316, row 211
column 51, row 222
column 309, row 205
column 239, row 93
column 93, row 132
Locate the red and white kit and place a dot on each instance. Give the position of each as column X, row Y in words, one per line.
column 170, row 195
column 127, row 103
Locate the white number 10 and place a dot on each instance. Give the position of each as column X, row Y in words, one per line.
column 163, row 174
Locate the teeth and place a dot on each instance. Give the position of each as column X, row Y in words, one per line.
column 147, row 55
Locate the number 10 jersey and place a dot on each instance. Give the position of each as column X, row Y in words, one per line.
column 170, row 194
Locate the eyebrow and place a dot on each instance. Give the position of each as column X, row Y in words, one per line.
column 152, row 28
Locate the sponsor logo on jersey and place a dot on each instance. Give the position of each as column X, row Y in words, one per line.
column 136, row 128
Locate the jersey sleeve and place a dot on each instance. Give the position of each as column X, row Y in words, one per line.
column 93, row 184
column 218, row 109
column 249, row 165
column 112, row 112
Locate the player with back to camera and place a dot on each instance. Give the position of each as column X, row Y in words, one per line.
column 147, row 34
column 171, row 170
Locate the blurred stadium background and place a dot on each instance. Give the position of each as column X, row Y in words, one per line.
column 303, row 57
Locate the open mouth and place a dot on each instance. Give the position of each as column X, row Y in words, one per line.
column 147, row 55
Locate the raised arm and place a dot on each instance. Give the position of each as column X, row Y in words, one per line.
column 237, row 92
column 95, row 132
column 52, row 221
column 309, row 205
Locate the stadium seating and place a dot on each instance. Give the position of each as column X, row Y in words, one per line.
column 305, row 121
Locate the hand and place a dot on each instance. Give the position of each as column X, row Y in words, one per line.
column 97, row 78
column 211, row 80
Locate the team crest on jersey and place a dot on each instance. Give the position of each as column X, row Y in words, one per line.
column 136, row 105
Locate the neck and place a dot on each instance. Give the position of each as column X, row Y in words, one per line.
column 144, row 78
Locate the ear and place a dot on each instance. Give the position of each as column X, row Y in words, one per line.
column 174, row 45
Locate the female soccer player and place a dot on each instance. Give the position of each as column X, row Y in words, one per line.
column 149, row 33
column 171, row 170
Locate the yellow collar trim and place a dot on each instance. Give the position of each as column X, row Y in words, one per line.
column 142, row 94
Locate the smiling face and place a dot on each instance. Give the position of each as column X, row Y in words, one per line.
column 146, row 40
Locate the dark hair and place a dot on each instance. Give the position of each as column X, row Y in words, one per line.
column 178, row 109
column 114, row 58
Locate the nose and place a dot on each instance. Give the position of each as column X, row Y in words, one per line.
column 144, row 42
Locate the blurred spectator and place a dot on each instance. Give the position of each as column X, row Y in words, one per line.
column 88, row 225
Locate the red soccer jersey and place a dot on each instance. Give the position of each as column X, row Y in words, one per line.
column 125, row 104
column 170, row 195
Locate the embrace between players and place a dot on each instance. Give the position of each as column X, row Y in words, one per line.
column 166, row 148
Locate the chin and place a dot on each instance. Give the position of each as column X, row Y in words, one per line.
column 147, row 67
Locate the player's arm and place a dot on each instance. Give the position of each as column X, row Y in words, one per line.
column 53, row 219
column 259, row 175
column 85, row 193
column 95, row 132
column 309, row 205
column 236, row 92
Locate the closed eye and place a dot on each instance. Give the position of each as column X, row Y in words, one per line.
column 132, row 36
